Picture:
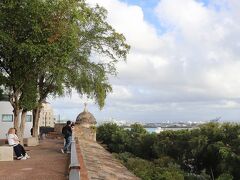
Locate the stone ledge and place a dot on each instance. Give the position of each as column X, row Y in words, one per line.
column 6, row 153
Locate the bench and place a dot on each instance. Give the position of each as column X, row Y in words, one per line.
column 6, row 153
column 31, row 141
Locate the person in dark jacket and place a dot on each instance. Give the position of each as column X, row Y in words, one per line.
column 67, row 132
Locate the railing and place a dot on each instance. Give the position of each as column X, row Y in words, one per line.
column 74, row 167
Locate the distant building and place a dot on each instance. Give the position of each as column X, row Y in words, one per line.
column 46, row 115
column 6, row 120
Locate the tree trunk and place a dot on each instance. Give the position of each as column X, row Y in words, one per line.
column 36, row 117
column 14, row 100
column 22, row 126
column 212, row 174
column 16, row 114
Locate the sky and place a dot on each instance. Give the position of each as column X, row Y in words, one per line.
column 184, row 63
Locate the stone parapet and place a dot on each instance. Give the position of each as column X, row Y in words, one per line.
column 100, row 164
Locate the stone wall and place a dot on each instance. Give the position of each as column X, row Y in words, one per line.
column 97, row 163
column 82, row 132
column 58, row 127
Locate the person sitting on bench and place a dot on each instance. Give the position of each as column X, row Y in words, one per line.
column 17, row 147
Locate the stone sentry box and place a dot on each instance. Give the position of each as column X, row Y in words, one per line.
column 85, row 126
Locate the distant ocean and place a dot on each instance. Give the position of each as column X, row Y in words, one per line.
column 150, row 130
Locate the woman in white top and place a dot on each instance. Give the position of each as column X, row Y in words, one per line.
column 18, row 148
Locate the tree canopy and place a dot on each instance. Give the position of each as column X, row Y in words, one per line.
column 47, row 47
column 208, row 152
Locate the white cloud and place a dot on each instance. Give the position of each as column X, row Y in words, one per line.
column 189, row 72
column 179, row 13
column 120, row 93
column 129, row 20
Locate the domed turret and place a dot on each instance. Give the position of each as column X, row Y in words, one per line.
column 85, row 125
column 85, row 118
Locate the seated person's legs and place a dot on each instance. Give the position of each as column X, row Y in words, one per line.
column 22, row 150
column 18, row 151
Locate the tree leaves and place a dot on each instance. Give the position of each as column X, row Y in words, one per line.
column 210, row 150
column 46, row 48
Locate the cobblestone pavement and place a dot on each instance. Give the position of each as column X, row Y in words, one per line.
column 46, row 163
column 100, row 164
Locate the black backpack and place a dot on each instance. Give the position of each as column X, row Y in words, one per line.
column 64, row 131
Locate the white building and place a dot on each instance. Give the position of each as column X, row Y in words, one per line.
column 46, row 116
column 6, row 120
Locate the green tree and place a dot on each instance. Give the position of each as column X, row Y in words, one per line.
column 136, row 134
column 225, row 176
column 1, row 94
column 22, row 27
column 93, row 35
column 147, row 146
column 142, row 168
column 47, row 45
column 113, row 136
column 208, row 152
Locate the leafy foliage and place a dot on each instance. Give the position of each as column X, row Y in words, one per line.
column 210, row 151
column 46, row 48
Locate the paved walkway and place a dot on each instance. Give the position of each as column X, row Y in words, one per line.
column 98, row 164
column 46, row 163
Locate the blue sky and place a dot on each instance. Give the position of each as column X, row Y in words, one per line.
column 148, row 7
column 183, row 64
